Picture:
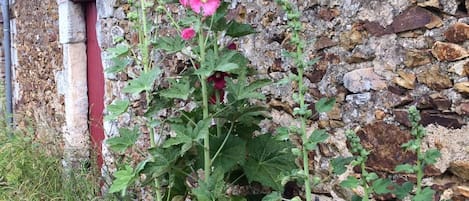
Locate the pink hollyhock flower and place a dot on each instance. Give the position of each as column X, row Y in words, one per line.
column 188, row 33
column 208, row 7
column 219, row 84
column 231, row 46
column 185, row 3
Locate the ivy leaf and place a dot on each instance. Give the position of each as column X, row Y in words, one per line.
column 406, row 168
column 324, row 104
column 116, row 109
column 236, row 29
column 318, row 135
column 119, row 50
column 180, row 89
column 339, row 164
column 431, row 156
column 123, row 179
column 274, row 196
column 169, row 44
column 350, row 182
column 143, row 83
column 424, row 195
column 267, row 159
column 232, row 153
column 126, row 139
column 381, row 186
column 401, row 191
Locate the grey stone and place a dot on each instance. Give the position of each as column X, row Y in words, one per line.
column 71, row 22
column 449, row 6
column 363, row 80
column 358, row 99
column 117, row 32
column 105, row 8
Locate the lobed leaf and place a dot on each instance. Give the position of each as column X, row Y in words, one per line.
column 267, row 159
column 126, row 139
column 339, row 164
column 324, row 104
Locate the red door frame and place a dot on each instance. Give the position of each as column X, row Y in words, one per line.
column 95, row 83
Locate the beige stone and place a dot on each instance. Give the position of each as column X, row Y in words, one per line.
column 362, row 80
column 462, row 190
column 460, row 168
column 462, row 87
column 434, row 79
column 448, row 51
column 406, row 80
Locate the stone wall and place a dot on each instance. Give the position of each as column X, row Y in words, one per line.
column 377, row 58
column 37, row 57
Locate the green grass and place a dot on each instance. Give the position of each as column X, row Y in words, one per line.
column 31, row 169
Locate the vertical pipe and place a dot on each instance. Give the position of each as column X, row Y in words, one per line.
column 7, row 55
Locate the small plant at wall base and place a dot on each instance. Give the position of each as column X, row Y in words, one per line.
column 211, row 146
column 370, row 181
column 309, row 141
column 424, row 159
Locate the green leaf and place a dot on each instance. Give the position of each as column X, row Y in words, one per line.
column 116, row 109
column 424, row 195
column 232, row 153
column 119, row 50
column 371, row 176
column 282, row 134
column 242, row 90
column 381, row 186
column 180, row 89
column 183, row 136
column 123, row 179
column 201, row 130
column 339, row 164
column 267, row 159
column 212, row 188
column 350, row 182
column 163, row 160
column 411, row 145
column 169, row 44
column 431, row 156
column 126, row 139
column 274, row 196
column 318, row 135
column 401, row 191
column 324, row 104
column 406, row 168
column 118, row 65
column 236, row 29
column 227, row 67
column 143, row 83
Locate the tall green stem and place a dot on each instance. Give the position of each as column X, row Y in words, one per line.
column 145, row 42
column 203, row 81
column 366, row 188
column 304, row 136
column 419, row 172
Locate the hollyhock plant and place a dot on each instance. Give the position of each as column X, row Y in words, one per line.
column 219, row 84
column 188, row 33
column 185, row 3
column 208, row 7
